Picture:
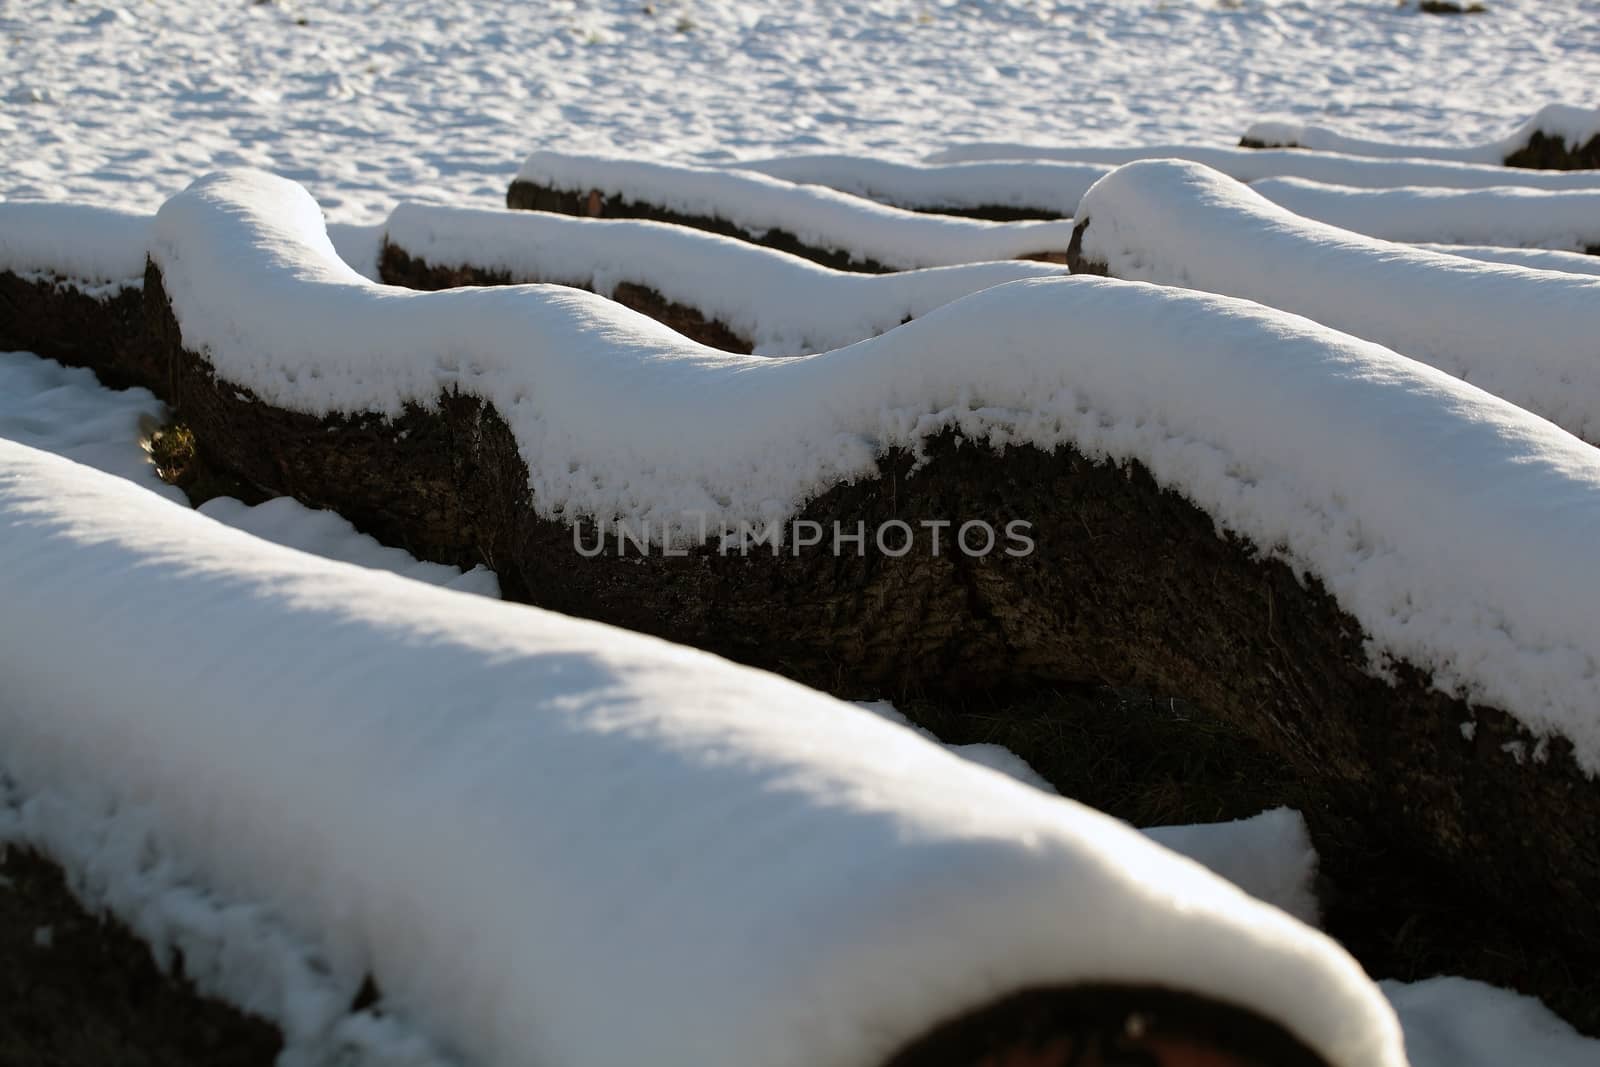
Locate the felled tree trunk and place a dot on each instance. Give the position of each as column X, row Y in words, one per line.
column 1127, row 584
column 101, row 330
column 530, row 196
column 397, row 267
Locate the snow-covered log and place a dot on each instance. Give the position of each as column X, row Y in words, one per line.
column 1303, row 533
column 1003, row 191
column 1561, row 219
column 1556, row 137
column 71, row 280
column 833, row 228
column 723, row 292
column 1529, row 336
column 525, row 828
column 1249, row 164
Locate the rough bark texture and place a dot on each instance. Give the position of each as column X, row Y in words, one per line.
column 104, row 333
column 1545, row 152
column 397, row 267
column 1107, row 1026
column 529, row 196
column 1129, row 585
column 78, row 990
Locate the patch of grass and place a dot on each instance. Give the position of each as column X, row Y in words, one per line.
column 181, row 461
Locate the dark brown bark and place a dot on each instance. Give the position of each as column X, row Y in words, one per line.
column 1107, row 1026
column 104, row 333
column 1549, row 152
column 397, row 267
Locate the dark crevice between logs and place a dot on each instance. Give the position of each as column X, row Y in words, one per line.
column 1440, row 854
column 1104, row 1025
column 397, row 267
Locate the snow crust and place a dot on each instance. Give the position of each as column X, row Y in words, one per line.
column 1247, row 411
column 1020, row 184
column 555, row 842
column 1532, row 337
column 784, row 303
column 1254, row 164
column 1574, row 125
column 1564, row 219
column 95, row 244
column 818, row 216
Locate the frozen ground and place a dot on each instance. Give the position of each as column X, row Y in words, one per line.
column 369, row 102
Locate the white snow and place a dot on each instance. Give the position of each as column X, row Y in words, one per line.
column 1574, row 125
column 67, row 411
column 76, row 241
column 1021, row 184
column 1528, row 336
column 1342, row 456
column 818, row 216
column 528, row 828
column 1454, row 1022
column 370, row 103
column 783, row 303
column 1535, row 258
column 1255, row 164
column 1565, row 219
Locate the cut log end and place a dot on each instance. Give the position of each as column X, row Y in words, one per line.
column 1108, row 1026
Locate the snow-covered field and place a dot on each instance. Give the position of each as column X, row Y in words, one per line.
column 560, row 844
column 368, row 102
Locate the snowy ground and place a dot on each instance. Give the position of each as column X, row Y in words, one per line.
column 369, row 102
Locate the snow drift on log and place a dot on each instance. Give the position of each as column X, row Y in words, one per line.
column 782, row 303
column 1252, row 164
column 1532, row 337
column 1016, row 185
column 529, row 829
column 818, row 217
column 1573, row 127
column 1563, row 219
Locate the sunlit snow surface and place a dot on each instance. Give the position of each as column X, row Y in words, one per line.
column 368, row 102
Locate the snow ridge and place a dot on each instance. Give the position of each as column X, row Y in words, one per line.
column 1574, row 125
column 1528, row 336
column 819, row 217
column 1562, row 219
column 1017, row 184
column 783, row 303
column 1253, row 164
